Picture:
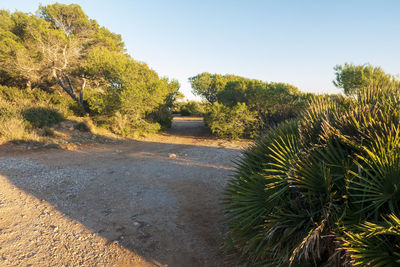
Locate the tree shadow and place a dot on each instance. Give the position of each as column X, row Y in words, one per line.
column 164, row 209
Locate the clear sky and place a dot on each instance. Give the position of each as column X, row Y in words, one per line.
column 297, row 42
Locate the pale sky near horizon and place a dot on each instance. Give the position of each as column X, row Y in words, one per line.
column 297, row 42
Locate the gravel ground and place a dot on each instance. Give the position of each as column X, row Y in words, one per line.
column 151, row 202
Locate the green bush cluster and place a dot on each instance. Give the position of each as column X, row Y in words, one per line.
column 76, row 68
column 41, row 117
column 23, row 111
column 191, row 108
column 266, row 104
column 231, row 122
column 323, row 189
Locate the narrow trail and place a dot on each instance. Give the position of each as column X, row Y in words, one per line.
column 149, row 202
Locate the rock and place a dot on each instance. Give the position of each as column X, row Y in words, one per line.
column 172, row 156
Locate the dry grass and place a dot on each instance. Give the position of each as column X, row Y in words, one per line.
column 14, row 129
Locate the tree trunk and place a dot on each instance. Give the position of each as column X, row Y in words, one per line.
column 70, row 90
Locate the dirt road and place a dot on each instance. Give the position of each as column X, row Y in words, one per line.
column 150, row 202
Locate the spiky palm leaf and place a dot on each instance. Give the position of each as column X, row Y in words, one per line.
column 300, row 195
column 257, row 189
column 374, row 244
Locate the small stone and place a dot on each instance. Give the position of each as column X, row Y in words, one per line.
column 136, row 224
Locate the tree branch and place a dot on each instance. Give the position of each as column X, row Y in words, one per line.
column 70, row 84
column 64, row 87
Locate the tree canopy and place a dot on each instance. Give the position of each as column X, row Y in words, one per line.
column 352, row 78
column 208, row 85
column 249, row 104
column 59, row 48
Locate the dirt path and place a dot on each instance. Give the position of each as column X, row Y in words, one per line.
column 151, row 202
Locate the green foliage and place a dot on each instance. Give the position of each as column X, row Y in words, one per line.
column 60, row 49
column 208, row 85
column 273, row 102
column 351, row 78
column 231, row 122
column 130, row 87
column 40, row 117
column 322, row 190
column 268, row 103
column 12, row 98
column 126, row 125
column 132, row 90
column 22, row 112
column 191, row 108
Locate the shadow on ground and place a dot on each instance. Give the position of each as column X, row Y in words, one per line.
column 163, row 208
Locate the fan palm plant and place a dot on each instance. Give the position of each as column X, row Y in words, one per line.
column 322, row 190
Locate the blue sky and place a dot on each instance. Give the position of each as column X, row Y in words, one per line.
column 297, row 42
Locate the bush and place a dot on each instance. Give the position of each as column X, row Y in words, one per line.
column 235, row 122
column 127, row 126
column 14, row 129
column 42, row 117
column 162, row 116
column 191, row 108
column 22, row 110
column 322, row 190
column 270, row 103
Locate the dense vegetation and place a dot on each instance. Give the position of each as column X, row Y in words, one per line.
column 241, row 107
column 61, row 53
column 324, row 189
column 190, row 108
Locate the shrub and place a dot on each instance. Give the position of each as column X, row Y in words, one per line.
column 271, row 103
column 162, row 116
column 233, row 122
column 40, row 117
column 14, row 129
column 191, row 108
column 322, row 190
column 128, row 126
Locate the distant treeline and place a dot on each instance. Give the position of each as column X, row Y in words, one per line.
column 242, row 107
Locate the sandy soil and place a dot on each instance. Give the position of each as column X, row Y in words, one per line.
column 150, row 202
